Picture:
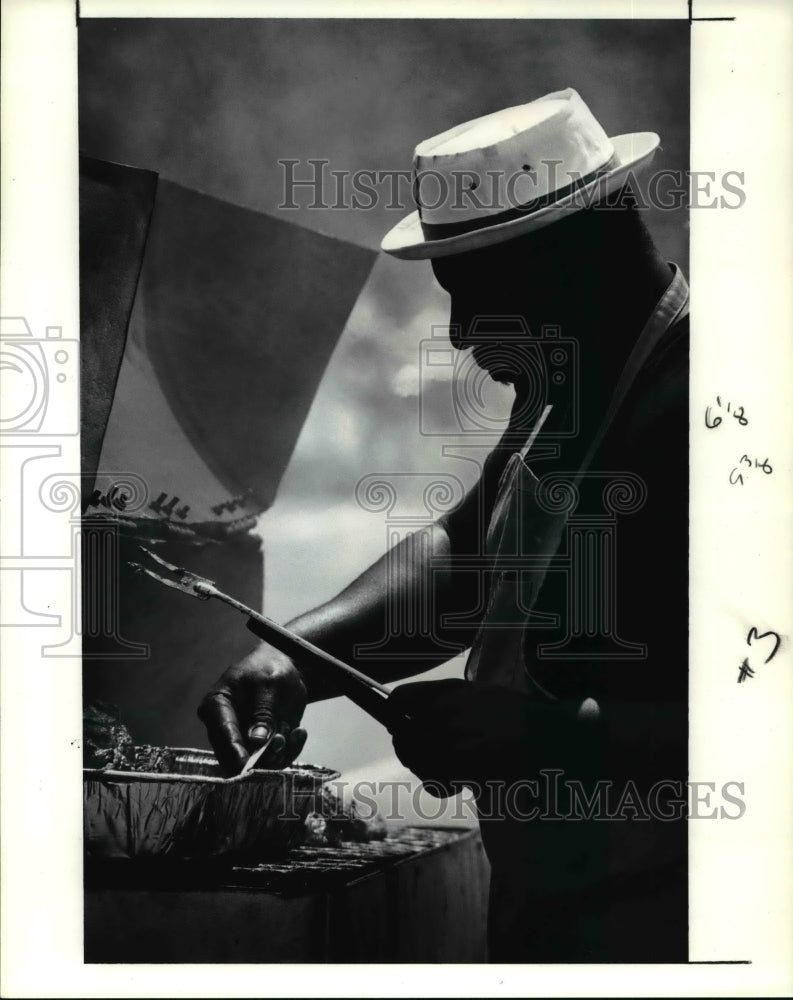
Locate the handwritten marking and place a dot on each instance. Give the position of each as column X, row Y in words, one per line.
column 738, row 414
column 745, row 671
column 765, row 465
column 754, row 634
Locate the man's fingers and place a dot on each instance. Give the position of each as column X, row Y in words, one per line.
column 408, row 699
column 256, row 703
column 294, row 739
column 258, row 734
column 262, row 717
column 294, row 746
column 276, row 706
column 218, row 714
column 230, row 751
column 273, row 752
column 423, row 700
column 269, row 759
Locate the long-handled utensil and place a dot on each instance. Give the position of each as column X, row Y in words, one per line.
column 367, row 693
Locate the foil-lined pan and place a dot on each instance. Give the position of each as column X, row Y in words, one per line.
column 195, row 813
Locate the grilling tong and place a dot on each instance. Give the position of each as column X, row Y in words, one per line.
column 367, row 693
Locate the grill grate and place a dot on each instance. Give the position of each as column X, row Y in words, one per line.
column 316, row 869
column 302, row 871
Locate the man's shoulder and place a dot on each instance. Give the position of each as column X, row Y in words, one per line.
column 670, row 353
column 657, row 403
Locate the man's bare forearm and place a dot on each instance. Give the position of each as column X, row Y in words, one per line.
column 388, row 622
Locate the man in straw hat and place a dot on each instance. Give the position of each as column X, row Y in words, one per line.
column 563, row 569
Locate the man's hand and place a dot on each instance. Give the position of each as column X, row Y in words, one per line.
column 261, row 694
column 463, row 732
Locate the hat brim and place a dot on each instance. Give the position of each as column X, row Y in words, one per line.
column 631, row 153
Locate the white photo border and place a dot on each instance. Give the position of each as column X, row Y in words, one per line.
column 741, row 873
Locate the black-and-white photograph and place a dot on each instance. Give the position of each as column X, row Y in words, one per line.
column 385, row 338
column 382, row 517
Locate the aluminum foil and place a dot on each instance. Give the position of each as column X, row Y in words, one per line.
column 196, row 814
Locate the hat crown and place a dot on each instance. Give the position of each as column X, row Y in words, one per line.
column 513, row 172
column 507, row 159
column 491, row 129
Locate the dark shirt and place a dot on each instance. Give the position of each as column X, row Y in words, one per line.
column 555, row 892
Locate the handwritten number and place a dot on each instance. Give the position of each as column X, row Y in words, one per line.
column 753, row 633
column 716, row 420
column 738, row 413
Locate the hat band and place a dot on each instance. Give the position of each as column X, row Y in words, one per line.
column 444, row 230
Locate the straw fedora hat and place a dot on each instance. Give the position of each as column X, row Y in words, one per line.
column 512, row 172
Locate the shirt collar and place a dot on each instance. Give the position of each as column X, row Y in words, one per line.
column 673, row 304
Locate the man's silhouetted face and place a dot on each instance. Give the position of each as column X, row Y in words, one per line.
column 491, row 292
column 573, row 274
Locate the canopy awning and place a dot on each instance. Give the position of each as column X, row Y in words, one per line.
column 234, row 319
